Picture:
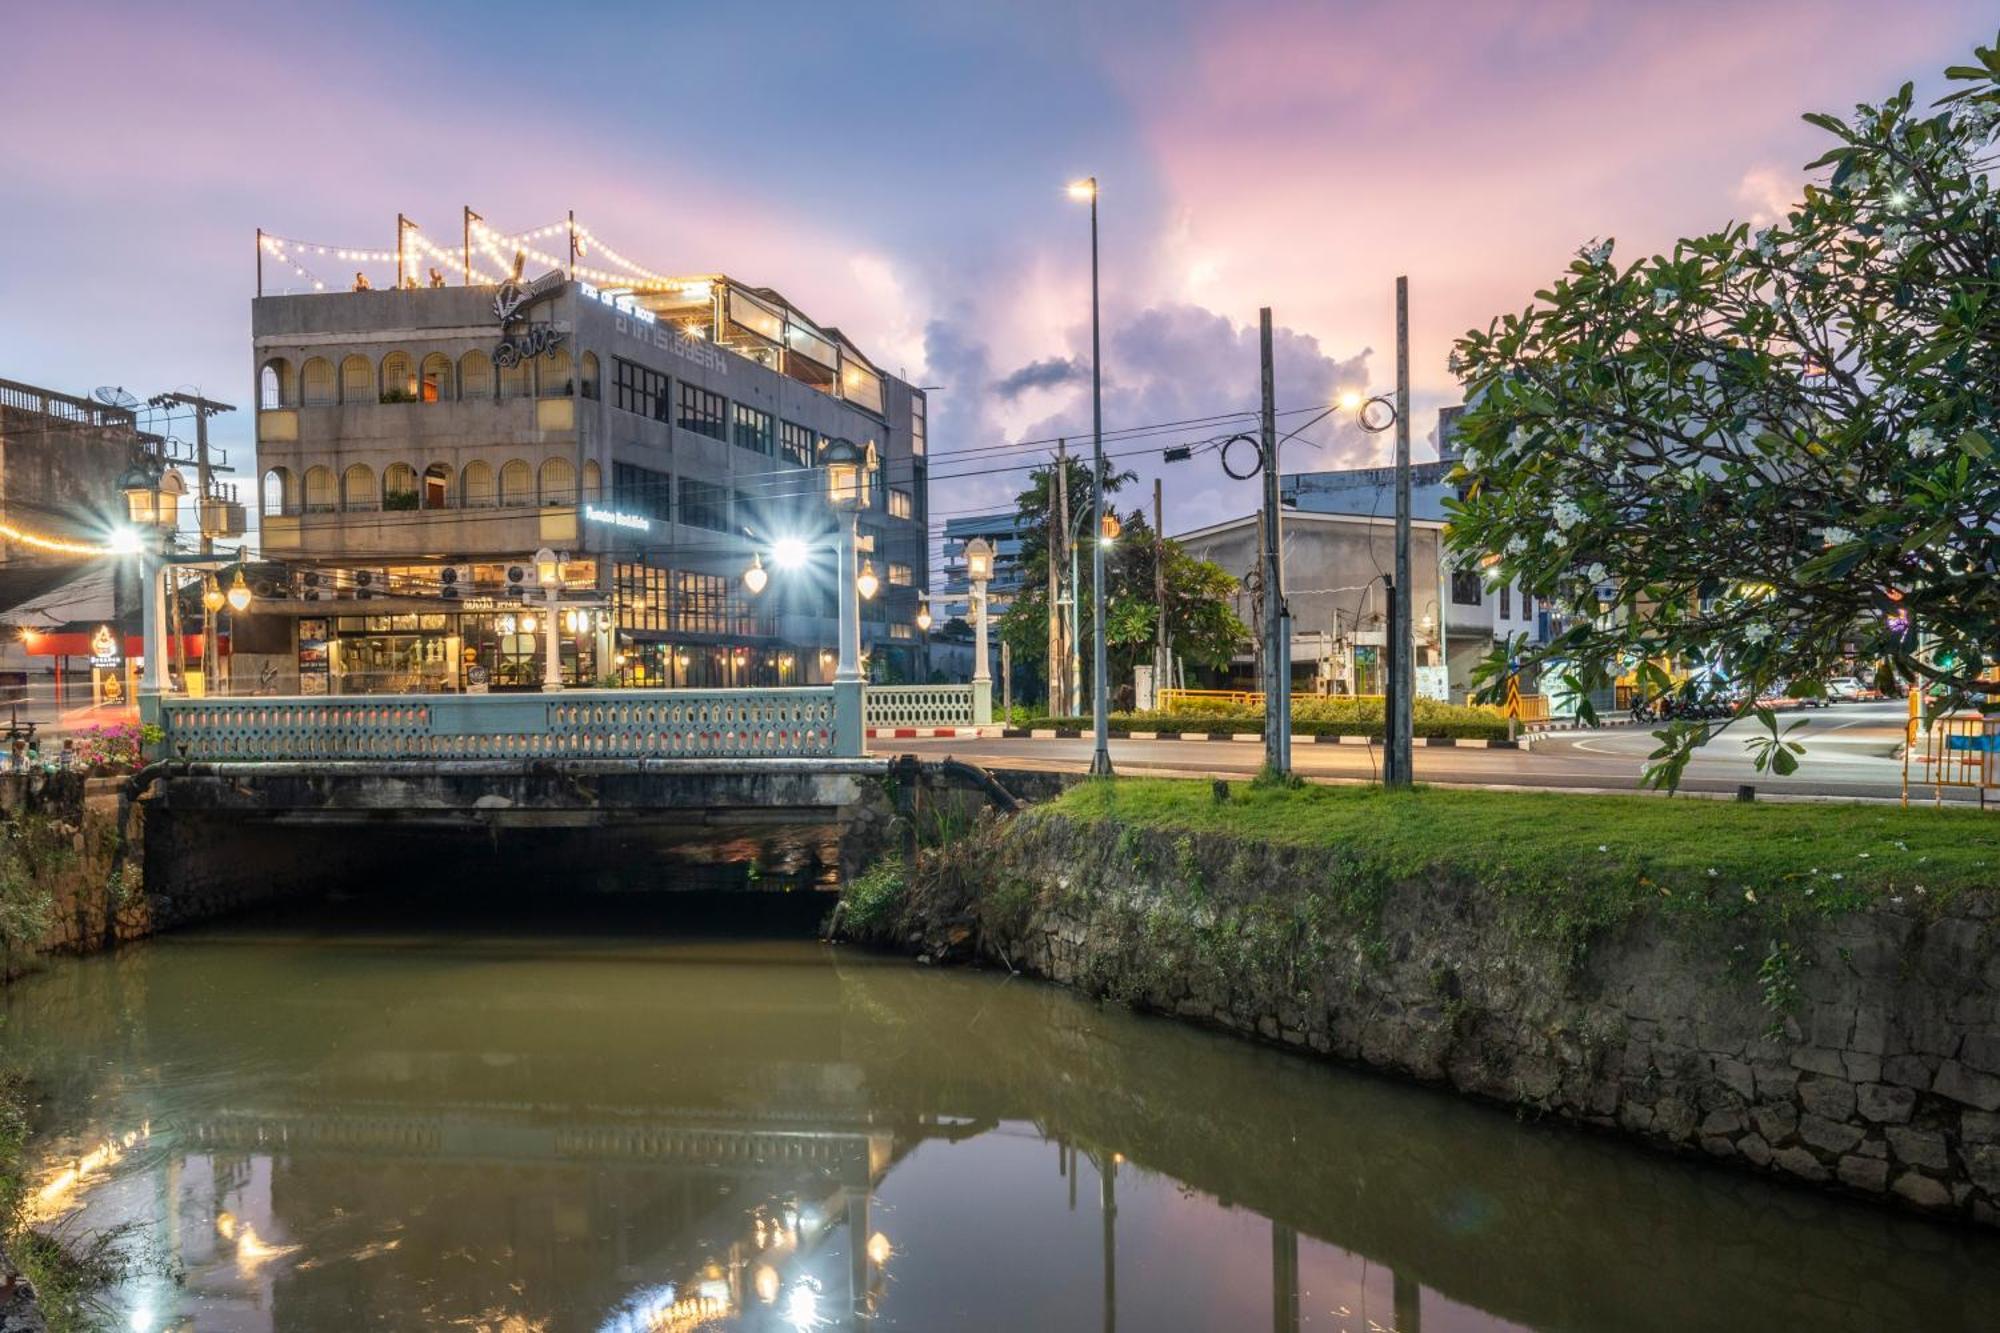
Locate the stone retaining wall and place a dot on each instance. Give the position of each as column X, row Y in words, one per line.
column 1865, row 1057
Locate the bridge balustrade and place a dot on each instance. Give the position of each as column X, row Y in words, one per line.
column 571, row 724
column 918, row 706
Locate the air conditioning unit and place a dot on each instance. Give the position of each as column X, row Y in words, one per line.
column 519, row 578
column 313, row 586
column 454, row 582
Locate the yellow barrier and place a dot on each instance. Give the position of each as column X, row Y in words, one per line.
column 1956, row 748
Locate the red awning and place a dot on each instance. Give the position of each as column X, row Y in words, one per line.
column 77, row 644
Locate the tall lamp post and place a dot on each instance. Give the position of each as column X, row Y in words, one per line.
column 152, row 503
column 1100, row 759
column 845, row 495
column 979, row 569
column 549, row 573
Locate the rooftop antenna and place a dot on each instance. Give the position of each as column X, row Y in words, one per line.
column 115, row 395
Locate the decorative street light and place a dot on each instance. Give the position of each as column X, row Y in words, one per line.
column 978, row 570
column 549, row 573
column 842, row 463
column 924, row 616
column 239, row 592
column 212, row 599
column 152, row 503
column 755, row 577
column 1100, row 759
column 866, row 583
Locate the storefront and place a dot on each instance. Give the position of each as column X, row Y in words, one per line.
column 440, row 652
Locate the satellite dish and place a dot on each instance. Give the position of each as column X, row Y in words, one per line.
column 114, row 395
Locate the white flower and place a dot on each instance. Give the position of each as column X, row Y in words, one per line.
column 1749, row 895
column 1757, row 632
column 1597, row 573
column 1566, row 514
column 1925, row 443
column 1603, row 847
column 1713, row 872
column 1878, row 495
column 1517, row 438
column 1836, row 875
column 1834, row 535
column 1766, row 242
column 1862, row 855
column 1664, row 297
column 1517, row 544
column 1596, row 252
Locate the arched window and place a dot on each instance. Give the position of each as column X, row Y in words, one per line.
column 517, row 483
column 319, row 490
column 517, row 380
column 399, row 379
column 437, row 486
column 475, row 485
column 357, row 380
column 558, row 482
column 437, row 378
column 593, row 481
column 276, row 386
column 281, row 493
column 357, row 488
column 475, row 375
column 557, row 381
column 316, row 381
column 589, row 385
column 399, row 486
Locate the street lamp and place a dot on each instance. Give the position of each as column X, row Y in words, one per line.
column 842, row 464
column 755, row 577
column 978, row 570
column 924, row 616
column 866, row 583
column 212, row 599
column 1100, row 759
column 549, row 573
column 152, row 503
column 239, row 592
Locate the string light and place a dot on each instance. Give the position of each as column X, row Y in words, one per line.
column 55, row 544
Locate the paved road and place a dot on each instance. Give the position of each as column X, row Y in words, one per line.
column 1852, row 753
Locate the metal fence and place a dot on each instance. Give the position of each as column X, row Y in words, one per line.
column 572, row 724
column 918, row 706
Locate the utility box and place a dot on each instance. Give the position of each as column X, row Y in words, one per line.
column 221, row 518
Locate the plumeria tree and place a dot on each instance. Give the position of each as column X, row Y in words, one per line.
column 1768, row 452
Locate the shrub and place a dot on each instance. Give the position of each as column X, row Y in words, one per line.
column 1331, row 716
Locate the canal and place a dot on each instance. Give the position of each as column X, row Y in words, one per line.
column 486, row 1118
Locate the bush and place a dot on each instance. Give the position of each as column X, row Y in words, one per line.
column 874, row 896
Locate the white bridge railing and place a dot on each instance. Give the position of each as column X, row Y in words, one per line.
column 918, row 706
column 571, row 724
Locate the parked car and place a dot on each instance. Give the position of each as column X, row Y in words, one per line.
column 1843, row 689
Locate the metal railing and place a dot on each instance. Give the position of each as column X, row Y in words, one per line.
column 918, row 706
column 571, row 724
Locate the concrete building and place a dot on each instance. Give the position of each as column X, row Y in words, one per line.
column 1005, row 531
column 418, row 446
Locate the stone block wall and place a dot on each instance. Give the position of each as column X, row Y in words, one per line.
column 1858, row 1052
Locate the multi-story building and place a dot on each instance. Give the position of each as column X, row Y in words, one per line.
column 419, row 446
column 1004, row 532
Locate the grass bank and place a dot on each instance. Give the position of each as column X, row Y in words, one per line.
column 1314, row 717
column 1600, row 853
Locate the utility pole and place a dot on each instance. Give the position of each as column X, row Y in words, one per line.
column 1277, row 649
column 470, row 218
column 1160, row 651
column 1400, row 714
column 203, row 409
column 402, row 225
column 1058, row 539
column 572, row 245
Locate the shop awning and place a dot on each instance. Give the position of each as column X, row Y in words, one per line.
column 77, row 643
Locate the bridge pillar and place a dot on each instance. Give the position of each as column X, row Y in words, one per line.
column 849, row 731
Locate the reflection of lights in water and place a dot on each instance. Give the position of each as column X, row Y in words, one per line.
column 802, row 1304
column 56, row 1192
column 662, row 1310
column 879, row 1249
column 253, row 1253
column 766, row 1282
column 225, row 1225
column 142, row 1320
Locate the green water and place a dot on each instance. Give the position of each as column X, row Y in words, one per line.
column 337, row 1126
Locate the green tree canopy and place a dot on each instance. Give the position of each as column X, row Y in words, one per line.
column 1767, row 451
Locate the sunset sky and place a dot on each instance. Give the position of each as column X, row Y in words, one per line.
column 898, row 170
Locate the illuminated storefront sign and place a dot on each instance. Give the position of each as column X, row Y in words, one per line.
column 617, row 519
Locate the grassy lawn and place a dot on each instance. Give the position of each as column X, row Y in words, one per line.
column 1717, row 858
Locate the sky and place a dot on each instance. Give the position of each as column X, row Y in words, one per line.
column 897, row 170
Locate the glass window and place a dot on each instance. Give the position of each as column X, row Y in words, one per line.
column 639, row 390
column 558, row 480
column 319, row 490
column 589, row 376
column 357, row 488
column 704, row 505
column 1506, row 601
column 919, row 425
column 900, row 504
column 280, row 492
column 274, row 385
column 899, row 573
column 475, row 375
column 860, row 385
column 756, row 316
column 795, row 442
column 517, row 380
column 517, row 483
column 593, row 480
column 702, row 412
column 476, row 486
column 357, row 380
column 753, row 429
column 639, row 490
column 317, row 378
column 1465, row 590
column 557, row 378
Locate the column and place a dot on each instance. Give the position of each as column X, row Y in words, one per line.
column 848, row 732
column 982, row 673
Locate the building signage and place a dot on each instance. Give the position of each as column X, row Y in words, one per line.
column 104, row 653
column 617, row 519
column 644, row 325
column 513, row 296
column 531, row 342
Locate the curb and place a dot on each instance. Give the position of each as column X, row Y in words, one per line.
column 1248, row 738
column 926, row 733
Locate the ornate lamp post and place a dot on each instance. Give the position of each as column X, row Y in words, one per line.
column 1100, row 759
column 845, row 494
column 978, row 570
column 549, row 573
column 152, row 504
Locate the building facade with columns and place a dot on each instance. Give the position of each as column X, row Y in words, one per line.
column 417, row 447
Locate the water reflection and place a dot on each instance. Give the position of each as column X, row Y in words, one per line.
column 332, row 1130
